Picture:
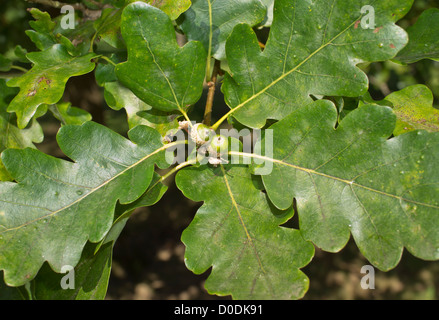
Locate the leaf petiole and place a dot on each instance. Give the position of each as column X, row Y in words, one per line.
column 223, row 118
column 19, row 68
column 185, row 116
column 174, row 170
column 107, row 59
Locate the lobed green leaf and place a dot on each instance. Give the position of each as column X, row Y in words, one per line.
column 424, row 43
column 46, row 81
column 353, row 180
column 237, row 232
column 158, row 71
column 58, row 205
column 10, row 135
column 313, row 49
column 414, row 109
column 212, row 21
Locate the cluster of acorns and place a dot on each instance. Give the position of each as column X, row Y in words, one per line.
column 210, row 144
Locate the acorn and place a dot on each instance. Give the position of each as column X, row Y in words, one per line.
column 200, row 133
column 219, row 145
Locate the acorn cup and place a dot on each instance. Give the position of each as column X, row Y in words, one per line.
column 201, row 134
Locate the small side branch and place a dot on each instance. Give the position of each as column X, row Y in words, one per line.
column 211, row 95
column 59, row 5
column 89, row 14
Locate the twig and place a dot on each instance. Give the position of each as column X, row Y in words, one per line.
column 211, row 94
column 209, row 51
column 58, row 5
column 97, row 4
column 382, row 86
column 88, row 14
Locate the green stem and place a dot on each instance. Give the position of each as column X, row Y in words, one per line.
column 128, row 213
column 19, row 68
column 93, row 41
column 108, row 60
column 186, row 117
column 171, row 172
column 223, row 118
column 175, row 169
column 99, row 30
